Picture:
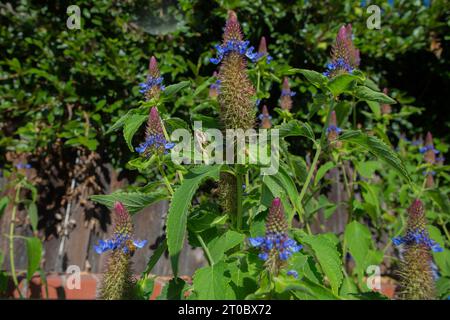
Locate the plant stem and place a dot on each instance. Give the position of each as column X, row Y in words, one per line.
column 310, row 173
column 166, row 181
column 239, row 200
column 11, row 239
column 205, row 249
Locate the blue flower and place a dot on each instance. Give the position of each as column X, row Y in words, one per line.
column 155, row 143
column 150, row 83
column 275, row 242
column 23, row 166
column 417, row 237
column 293, row 273
column 288, row 93
column 241, row 47
column 339, row 64
column 428, row 148
column 264, row 116
column 119, row 242
column 334, row 129
column 256, row 242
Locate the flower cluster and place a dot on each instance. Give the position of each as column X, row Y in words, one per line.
column 262, row 50
column 286, row 95
column 265, row 118
column 416, row 266
column 150, row 83
column 241, row 47
column 345, row 57
column 152, row 87
column 119, row 242
column 419, row 237
column 23, row 166
column 428, row 150
column 122, row 238
column 118, row 281
column 275, row 247
column 155, row 141
column 333, row 131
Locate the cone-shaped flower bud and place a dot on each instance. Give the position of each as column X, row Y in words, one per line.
column 214, row 88
column 416, row 267
column 153, row 86
column 428, row 150
column 275, row 247
column 265, row 118
column 386, row 108
column 262, row 50
column 333, row 131
column 227, row 193
column 118, row 282
column 155, row 141
column 430, row 180
column 286, row 95
column 236, row 90
column 344, row 56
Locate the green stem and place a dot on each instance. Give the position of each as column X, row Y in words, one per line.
column 205, row 249
column 310, row 173
column 11, row 239
column 166, row 181
column 239, row 208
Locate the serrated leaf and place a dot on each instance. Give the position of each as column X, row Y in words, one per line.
column 210, row 282
column 328, row 258
column 365, row 93
column 34, row 254
column 314, row 77
column 131, row 126
column 377, row 148
column 155, row 257
column 296, row 128
column 178, row 210
column 133, row 201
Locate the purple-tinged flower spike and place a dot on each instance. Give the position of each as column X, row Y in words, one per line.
column 416, row 274
column 428, row 150
column 152, row 86
column 275, row 247
column 262, row 50
column 265, row 118
column 386, row 108
column 118, row 281
column 155, row 141
column 333, row 131
column 214, row 88
column 429, row 180
column 236, row 89
column 286, row 95
column 237, row 109
column 344, row 56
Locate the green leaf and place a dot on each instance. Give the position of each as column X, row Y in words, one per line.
column 155, row 257
column 377, row 148
column 219, row 245
column 316, row 78
column 328, row 258
column 34, row 253
column 210, row 282
column 33, row 215
column 119, row 123
column 174, row 88
column 4, row 201
column 178, row 210
column 322, row 171
column 358, row 240
column 133, row 201
column 341, row 83
column 365, row 93
column 296, row 128
column 131, row 126
column 375, row 108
